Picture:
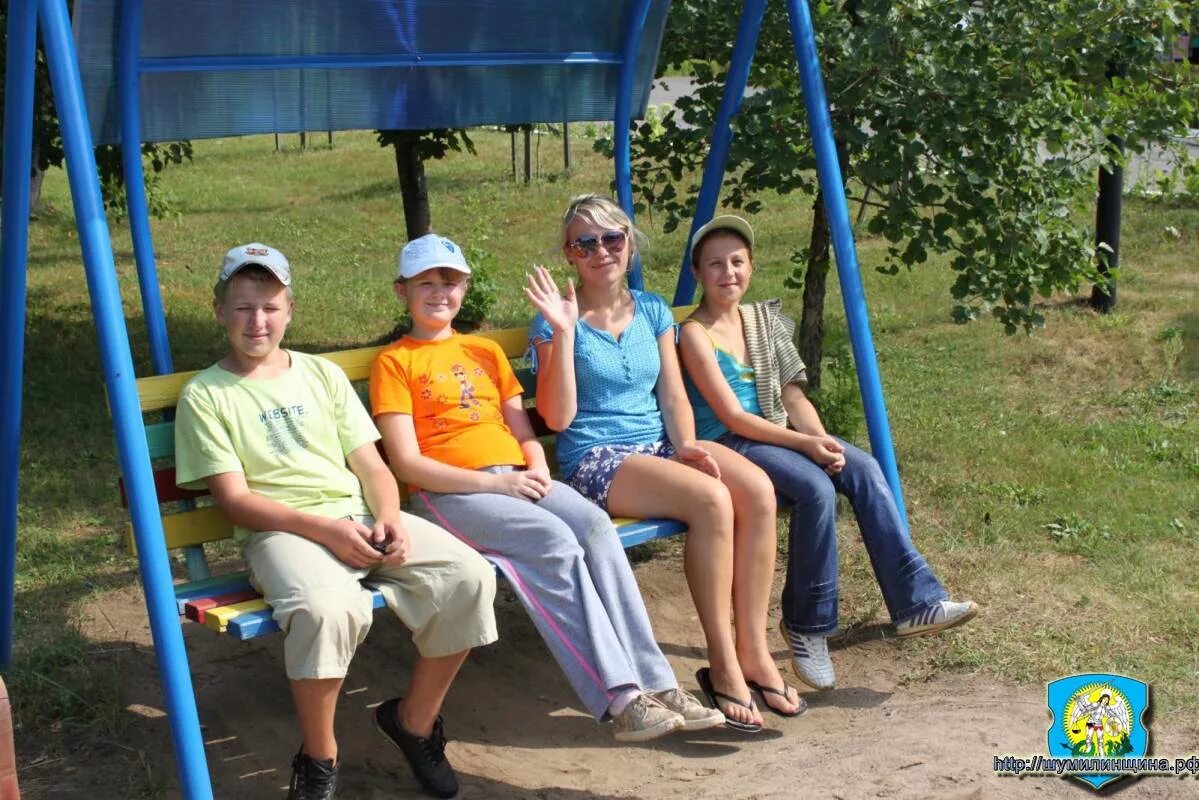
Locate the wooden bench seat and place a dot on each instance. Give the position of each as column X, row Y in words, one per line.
column 228, row 604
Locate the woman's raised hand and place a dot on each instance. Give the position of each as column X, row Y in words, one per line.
column 560, row 310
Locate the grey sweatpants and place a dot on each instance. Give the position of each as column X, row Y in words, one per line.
column 565, row 562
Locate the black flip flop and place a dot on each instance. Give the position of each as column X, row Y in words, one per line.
column 704, row 679
column 765, row 690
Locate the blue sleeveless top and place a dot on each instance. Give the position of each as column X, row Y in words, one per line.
column 740, row 378
column 615, row 381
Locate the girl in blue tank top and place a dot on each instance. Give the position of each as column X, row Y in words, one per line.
column 745, row 380
column 740, row 378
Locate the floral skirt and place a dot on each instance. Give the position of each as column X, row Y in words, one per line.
column 593, row 476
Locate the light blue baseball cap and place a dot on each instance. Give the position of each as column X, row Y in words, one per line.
column 430, row 252
column 255, row 253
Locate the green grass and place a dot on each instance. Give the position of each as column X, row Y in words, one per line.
column 1053, row 478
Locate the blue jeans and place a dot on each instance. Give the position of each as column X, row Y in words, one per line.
column 810, row 593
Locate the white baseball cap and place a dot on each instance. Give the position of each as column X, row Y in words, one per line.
column 429, row 252
column 723, row 222
column 254, row 253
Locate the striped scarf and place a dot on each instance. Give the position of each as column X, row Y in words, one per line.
column 769, row 339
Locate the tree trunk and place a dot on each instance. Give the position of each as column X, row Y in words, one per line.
column 411, row 171
column 1107, row 217
column 811, row 324
column 36, row 176
column 35, row 189
column 42, row 108
column 815, row 280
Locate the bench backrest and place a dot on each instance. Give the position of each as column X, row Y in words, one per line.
column 190, row 517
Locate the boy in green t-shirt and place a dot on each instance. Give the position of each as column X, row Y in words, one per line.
column 288, row 452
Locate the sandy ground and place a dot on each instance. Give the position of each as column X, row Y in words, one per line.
column 517, row 731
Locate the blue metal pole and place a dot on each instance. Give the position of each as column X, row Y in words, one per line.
column 722, row 137
column 624, row 117
column 14, row 250
column 119, row 379
column 129, row 95
column 832, row 186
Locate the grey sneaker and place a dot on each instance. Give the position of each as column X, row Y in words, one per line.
column 696, row 716
column 809, row 658
column 645, row 718
column 944, row 615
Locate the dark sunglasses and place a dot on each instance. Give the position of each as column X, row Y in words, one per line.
column 584, row 246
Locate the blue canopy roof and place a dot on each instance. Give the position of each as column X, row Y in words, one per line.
column 214, row 68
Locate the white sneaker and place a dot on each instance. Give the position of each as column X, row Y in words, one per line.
column 809, row 658
column 644, row 718
column 945, row 614
column 696, row 716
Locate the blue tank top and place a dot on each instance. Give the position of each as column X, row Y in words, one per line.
column 740, row 378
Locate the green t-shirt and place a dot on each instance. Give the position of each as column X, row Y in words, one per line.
column 288, row 435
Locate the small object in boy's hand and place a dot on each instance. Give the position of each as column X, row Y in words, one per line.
column 380, row 546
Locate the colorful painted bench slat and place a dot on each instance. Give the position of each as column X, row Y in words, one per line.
column 210, row 587
column 258, row 622
column 217, row 619
column 195, row 609
column 187, row 528
column 639, row 531
column 228, row 603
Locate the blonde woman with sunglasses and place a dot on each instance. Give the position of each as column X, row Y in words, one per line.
column 608, row 380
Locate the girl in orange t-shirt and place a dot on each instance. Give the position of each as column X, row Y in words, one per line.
column 454, row 427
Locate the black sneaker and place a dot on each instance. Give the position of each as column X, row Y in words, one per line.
column 312, row 779
column 425, row 756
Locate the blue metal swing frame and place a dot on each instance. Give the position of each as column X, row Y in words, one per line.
column 26, row 17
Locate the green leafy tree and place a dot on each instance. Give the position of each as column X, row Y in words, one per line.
column 970, row 128
column 48, row 151
column 412, row 150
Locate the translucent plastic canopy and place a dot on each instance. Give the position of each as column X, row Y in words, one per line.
column 205, row 68
column 212, row 68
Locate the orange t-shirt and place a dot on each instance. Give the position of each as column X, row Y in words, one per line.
column 453, row 389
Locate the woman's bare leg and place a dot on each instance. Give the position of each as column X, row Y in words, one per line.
column 755, row 543
column 647, row 486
